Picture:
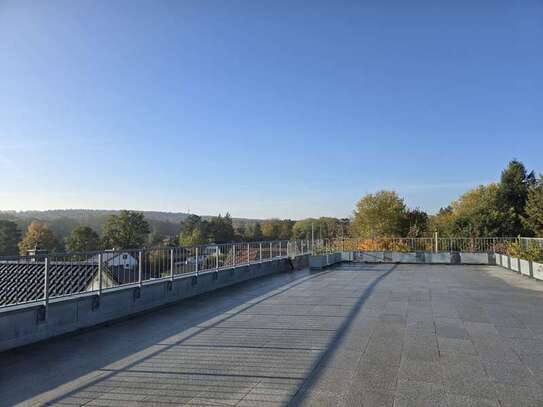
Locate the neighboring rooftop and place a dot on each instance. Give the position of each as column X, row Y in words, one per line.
column 356, row 334
column 23, row 281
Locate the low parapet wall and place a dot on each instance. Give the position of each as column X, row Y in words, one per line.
column 30, row 323
column 321, row 261
column 425, row 257
column 525, row 267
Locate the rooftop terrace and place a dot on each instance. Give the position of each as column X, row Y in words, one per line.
column 355, row 334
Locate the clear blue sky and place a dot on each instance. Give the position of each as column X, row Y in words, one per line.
column 264, row 108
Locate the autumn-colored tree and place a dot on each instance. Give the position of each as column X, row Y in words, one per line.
column 38, row 236
column 271, row 229
column 277, row 229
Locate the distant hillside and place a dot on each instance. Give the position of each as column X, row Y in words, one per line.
column 79, row 214
column 63, row 221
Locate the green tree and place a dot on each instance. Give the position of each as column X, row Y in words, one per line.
column 250, row 232
column 257, row 232
column 327, row 227
column 477, row 213
column 380, row 214
column 271, row 229
column 195, row 238
column 82, row 239
column 534, row 208
column 513, row 190
column 195, row 230
column 285, row 229
column 442, row 222
column 128, row 230
column 277, row 229
column 38, row 236
column 415, row 223
column 221, row 229
column 9, row 238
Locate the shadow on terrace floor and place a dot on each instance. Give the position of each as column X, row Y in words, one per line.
column 69, row 366
column 263, row 346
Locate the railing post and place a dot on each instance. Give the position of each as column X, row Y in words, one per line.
column 216, row 257
column 140, row 267
column 197, row 261
column 271, row 251
column 248, row 256
column 172, row 265
column 233, row 255
column 46, row 286
column 260, row 249
column 100, row 274
column 435, row 238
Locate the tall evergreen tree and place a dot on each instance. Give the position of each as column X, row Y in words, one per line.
column 534, row 209
column 513, row 190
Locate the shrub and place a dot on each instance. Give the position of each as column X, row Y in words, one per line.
column 532, row 252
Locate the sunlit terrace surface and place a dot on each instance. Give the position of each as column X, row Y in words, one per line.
column 355, row 334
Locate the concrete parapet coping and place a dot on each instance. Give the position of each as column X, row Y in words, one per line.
column 421, row 257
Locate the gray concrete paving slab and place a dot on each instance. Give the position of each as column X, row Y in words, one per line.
column 352, row 335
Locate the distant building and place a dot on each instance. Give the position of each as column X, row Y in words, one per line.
column 118, row 259
column 22, row 280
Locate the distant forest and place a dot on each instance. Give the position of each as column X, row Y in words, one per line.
column 63, row 221
column 87, row 230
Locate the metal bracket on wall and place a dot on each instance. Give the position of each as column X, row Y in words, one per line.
column 95, row 302
column 455, row 258
column 41, row 314
column 137, row 293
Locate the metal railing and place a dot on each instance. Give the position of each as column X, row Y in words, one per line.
column 525, row 242
column 428, row 244
column 30, row 279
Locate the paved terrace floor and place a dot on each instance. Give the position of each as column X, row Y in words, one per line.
column 360, row 335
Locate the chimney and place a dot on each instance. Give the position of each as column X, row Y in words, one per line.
column 36, row 254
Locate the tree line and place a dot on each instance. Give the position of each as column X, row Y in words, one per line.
column 511, row 207
column 130, row 229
